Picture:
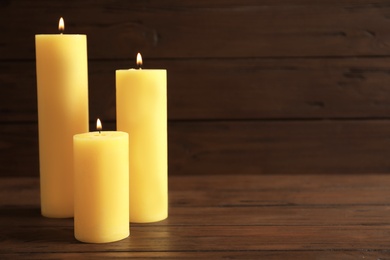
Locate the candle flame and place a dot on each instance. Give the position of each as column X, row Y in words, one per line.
column 139, row 60
column 61, row 25
column 98, row 125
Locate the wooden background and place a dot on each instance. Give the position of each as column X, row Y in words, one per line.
column 267, row 86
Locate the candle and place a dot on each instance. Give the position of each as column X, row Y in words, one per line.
column 142, row 112
column 62, row 89
column 101, row 186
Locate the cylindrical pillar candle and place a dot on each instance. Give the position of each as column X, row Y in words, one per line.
column 141, row 97
column 62, row 88
column 101, row 186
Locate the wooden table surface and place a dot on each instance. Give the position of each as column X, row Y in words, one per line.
column 231, row 217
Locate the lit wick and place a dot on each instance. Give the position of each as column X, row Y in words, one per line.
column 98, row 125
column 139, row 60
column 61, row 25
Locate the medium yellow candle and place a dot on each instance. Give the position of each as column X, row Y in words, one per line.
column 101, row 186
column 142, row 112
column 62, row 86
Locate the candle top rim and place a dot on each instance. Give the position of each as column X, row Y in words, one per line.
column 135, row 69
column 103, row 135
column 60, row 34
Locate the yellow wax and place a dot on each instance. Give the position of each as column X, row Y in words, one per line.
column 62, row 84
column 142, row 112
column 101, row 186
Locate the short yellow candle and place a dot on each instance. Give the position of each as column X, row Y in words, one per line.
column 101, row 186
column 62, row 86
column 142, row 112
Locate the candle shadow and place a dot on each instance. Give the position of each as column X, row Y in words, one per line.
column 21, row 225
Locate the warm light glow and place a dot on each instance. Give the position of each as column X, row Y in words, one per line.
column 139, row 60
column 98, row 125
column 61, row 25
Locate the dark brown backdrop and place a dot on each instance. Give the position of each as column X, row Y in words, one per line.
column 271, row 86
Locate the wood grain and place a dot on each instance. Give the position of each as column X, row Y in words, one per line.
column 209, row 230
column 202, row 238
column 236, row 89
column 240, row 147
column 253, row 86
column 182, row 29
column 269, row 254
column 279, row 147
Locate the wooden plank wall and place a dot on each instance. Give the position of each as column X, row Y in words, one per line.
column 266, row 86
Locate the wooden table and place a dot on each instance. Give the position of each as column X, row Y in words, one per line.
column 233, row 217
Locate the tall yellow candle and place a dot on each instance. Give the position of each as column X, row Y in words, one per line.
column 101, row 186
column 62, row 88
column 141, row 97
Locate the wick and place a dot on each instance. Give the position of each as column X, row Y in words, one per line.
column 99, row 131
